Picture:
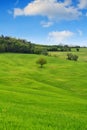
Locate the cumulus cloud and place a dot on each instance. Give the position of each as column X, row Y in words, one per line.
column 52, row 9
column 82, row 4
column 59, row 36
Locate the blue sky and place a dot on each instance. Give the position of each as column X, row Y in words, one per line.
column 45, row 21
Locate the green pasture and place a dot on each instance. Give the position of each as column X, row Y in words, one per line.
column 82, row 54
column 50, row 98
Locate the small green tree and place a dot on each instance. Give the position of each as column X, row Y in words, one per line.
column 41, row 62
column 77, row 49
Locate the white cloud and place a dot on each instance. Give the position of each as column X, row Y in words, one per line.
column 68, row 2
column 59, row 36
column 80, row 32
column 18, row 12
column 82, row 4
column 46, row 24
column 51, row 9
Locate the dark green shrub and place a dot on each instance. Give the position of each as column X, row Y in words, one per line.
column 75, row 57
column 77, row 49
column 71, row 56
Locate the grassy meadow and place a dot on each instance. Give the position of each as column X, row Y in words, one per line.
column 49, row 98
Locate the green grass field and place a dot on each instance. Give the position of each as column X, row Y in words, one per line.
column 49, row 98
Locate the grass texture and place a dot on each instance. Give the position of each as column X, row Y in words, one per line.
column 49, row 98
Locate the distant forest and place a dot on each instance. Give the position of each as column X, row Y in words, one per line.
column 9, row 44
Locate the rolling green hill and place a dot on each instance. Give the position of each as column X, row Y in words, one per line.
column 49, row 98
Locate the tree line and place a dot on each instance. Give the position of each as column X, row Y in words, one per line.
column 10, row 44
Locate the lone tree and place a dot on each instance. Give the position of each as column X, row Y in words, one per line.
column 41, row 62
column 77, row 49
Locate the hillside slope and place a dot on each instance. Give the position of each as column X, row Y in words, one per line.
column 52, row 98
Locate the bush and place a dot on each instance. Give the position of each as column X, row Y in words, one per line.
column 41, row 62
column 75, row 57
column 71, row 56
column 77, row 49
